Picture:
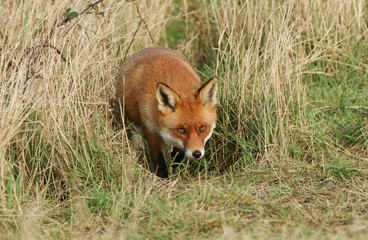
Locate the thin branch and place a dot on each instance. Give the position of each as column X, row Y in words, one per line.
column 131, row 42
column 81, row 13
column 41, row 45
column 145, row 24
column 46, row 44
column 90, row 6
column 136, row 31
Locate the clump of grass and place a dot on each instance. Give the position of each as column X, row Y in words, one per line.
column 287, row 160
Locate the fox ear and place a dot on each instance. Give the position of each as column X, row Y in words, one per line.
column 208, row 93
column 166, row 98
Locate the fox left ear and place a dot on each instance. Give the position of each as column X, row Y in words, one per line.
column 166, row 98
column 208, row 93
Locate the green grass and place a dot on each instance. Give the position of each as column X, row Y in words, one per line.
column 288, row 158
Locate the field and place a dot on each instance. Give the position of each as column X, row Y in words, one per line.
column 288, row 158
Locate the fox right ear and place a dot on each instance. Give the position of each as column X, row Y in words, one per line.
column 208, row 93
column 166, row 98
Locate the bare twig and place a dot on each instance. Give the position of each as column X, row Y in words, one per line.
column 90, row 6
column 81, row 13
column 131, row 42
column 136, row 31
column 145, row 24
column 41, row 45
column 45, row 44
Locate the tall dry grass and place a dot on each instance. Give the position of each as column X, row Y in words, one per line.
column 266, row 51
column 56, row 82
column 67, row 169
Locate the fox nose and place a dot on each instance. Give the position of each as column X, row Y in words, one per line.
column 197, row 154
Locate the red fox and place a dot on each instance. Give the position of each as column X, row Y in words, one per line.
column 162, row 93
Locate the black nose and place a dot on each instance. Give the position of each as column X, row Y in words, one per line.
column 197, row 154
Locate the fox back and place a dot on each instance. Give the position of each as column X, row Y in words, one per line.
column 162, row 93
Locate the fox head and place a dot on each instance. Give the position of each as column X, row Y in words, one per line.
column 187, row 121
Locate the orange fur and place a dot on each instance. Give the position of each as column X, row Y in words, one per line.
column 182, row 104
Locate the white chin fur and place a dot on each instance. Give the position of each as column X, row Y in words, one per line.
column 189, row 154
column 210, row 134
column 177, row 143
column 171, row 140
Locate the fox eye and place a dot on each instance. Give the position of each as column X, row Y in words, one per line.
column 203, row 129
column 181, row 130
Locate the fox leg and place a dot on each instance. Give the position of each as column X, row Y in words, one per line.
column 179, row 157
column 155, row 144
